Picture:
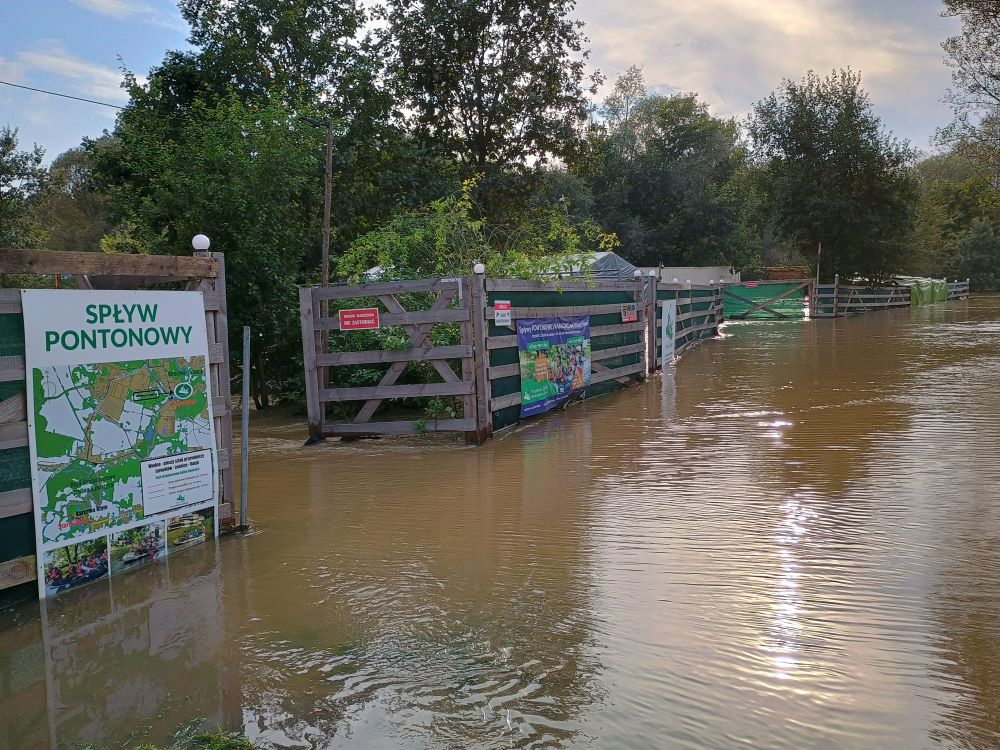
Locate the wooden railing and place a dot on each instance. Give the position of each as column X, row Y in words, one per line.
column 838, row 300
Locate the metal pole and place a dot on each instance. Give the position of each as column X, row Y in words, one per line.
column 327, row 198
column 245, row 442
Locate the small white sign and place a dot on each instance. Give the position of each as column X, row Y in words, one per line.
column 501, row 312
column 668, row 332
column 173, row 482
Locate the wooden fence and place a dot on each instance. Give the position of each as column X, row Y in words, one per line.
column 482, row 371
column 837, row 300
column 205, row 272
column 699, row 315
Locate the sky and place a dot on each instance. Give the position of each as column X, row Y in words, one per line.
column 731, row 52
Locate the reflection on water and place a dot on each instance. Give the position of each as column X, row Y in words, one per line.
column 789, row 542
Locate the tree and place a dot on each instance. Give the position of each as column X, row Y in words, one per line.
column 22, row 178
column 496, row 84
column 660, row 169
column 974, row 57
column 71, row 208
column 977, row 257
column 834, row 175
column 247, row 176
column 301, row 49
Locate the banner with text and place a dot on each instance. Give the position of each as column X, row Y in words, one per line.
column 555, row 361
column 120, row 427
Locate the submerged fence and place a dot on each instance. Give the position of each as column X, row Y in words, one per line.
column 837, row 300
column 452, row 344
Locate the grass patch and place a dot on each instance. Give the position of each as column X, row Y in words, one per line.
column 217, row 740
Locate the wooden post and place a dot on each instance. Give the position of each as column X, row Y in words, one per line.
column 245, row 427
column 470, row 403
column 313, row 406
column 836, row 295
column 477, row 302
column 648, row 288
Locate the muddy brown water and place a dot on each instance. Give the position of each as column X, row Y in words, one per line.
column 790, row 543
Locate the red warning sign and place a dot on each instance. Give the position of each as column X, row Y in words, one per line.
column 363, row 319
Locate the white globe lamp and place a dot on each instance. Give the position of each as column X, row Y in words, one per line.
column 200, row 242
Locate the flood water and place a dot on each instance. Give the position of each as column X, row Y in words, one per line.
column 792, row 542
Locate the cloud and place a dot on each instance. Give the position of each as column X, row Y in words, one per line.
column 126, row 9
column 735, row 52
column 11, row 70
column 83, row 78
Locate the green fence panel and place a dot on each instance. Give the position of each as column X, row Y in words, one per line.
column 792, row 306
column 504, row 386
column 695, row 300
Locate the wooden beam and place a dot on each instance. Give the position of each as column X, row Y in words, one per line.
column 517, row 313
column 357, row 291
column 502, row 402
column 399, row 427
column 12, row 368
column 13, row 435
column 517, row 285
column 417, row 390
column 15, row 502
column 14, row 409
column 105, row 264
column 314, row 408
column 415, row 354
column 18, row 571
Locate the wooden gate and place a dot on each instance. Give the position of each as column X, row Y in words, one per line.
column 427, row 303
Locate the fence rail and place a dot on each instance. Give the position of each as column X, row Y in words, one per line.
column 837, row 300
column 482, row 369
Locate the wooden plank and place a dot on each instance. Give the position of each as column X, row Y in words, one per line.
column 502, row 402
column 216, row 353
column 469, row 407
column 518, row 285
column 14, row 409
column 416, row 390
column 418, row 334
column 504, row 371
column 517, row 313
column 313, row 405
column 416, row 354
column 481, row 362
column 18, row 571
column 13, row 435
column 598, row 331
column 349, row 291
column 10, row 301
column 619, row 373
column 455, row 315
column 400, row 427
column 105, row 264
column 15, row 502
column 501, row 342
column 12, row 368
column 597, row 355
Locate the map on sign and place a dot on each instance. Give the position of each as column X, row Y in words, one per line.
column 96, row 424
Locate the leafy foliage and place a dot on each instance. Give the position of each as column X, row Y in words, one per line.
column 662, row 171
column 22, row 178
column 834, row 176
column 493, row 83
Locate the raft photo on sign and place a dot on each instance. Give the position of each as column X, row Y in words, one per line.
column 133, row 548
column 75, row 564
column 190, row 529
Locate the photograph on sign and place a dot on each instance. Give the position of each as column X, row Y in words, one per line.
column 630, row 312
column 132, row 548
column 502, row 312
column 189, row 529
column 73, row 564
column 118, row 384
column 363, row 319
column 555, row 361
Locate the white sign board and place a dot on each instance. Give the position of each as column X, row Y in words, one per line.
column 501, row 312
column 668, row 331
column 120, row 427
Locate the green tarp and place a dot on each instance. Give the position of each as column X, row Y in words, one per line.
column 928, row 292
column 792, row 306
